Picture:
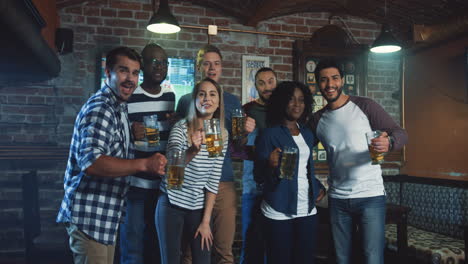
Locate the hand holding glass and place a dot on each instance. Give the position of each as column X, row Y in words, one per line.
column 288, row 163
column 238, row 123
column 213, row 138
column 175, row 169
column 377, row 158
column 151, row 130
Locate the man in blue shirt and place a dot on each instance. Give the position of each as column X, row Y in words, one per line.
column 253, row 250
column 100, row 158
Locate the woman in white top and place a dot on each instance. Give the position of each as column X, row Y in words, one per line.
column 183, row 216
column 288, row 204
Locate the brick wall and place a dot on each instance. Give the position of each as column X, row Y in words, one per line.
column 44, row 112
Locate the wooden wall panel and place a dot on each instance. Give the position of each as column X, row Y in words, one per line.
column 436, row 111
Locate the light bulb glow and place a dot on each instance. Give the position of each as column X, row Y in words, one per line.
column 385, row 49
column 163, row 28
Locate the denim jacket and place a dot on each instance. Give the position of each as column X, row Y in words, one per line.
column 281, row 194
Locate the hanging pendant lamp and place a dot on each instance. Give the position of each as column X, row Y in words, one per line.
column 385, row 42
column 163, row 21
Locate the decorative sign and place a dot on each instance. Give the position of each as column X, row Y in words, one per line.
column 250, row 66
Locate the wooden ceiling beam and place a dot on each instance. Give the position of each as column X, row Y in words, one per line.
column 263, row 11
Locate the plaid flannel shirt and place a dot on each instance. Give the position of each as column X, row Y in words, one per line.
column 96, row 204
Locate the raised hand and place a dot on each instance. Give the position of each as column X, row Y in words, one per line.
column 381, row 144
column 274, row 158
column 249, row 125
column 138, row 130
column 198, row 138
column 156, row 164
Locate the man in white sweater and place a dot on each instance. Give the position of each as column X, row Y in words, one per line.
column 356, row 193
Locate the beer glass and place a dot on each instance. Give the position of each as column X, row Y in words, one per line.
column 238, row 121
column 377, row 158
column 151, row 130
column 175, row 169
column 213, row 138
column 288, row 162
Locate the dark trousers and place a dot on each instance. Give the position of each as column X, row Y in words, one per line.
column 138, row 238
column 176, row 229
column 253, row 244
column 291, row 241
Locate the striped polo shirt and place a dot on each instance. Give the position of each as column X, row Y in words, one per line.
column 201, row 173
column 141, row 104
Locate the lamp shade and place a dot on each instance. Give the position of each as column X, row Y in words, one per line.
column 385, row 42
column 163, row 21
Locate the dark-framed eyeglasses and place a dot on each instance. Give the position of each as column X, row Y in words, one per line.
column 155, row 63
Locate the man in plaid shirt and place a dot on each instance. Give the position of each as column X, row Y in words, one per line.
column 100, row 158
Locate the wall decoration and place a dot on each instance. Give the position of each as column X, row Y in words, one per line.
column 310, row 66
column 322, row 155
column 310, row 78
column 313, row 89
column 349, row 67
column 351, row 60
column 349, row 79
column 250, row 66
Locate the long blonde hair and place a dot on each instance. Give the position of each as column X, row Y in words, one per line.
column 193, row 115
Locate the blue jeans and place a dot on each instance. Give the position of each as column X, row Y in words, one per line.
column 253, row 243
column 138, row 238
column 369, row 216
column 176, row 229
column 291, row 241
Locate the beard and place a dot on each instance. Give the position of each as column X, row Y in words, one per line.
column 339, row 91
column 263, row 98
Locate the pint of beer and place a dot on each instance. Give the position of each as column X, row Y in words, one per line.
column 288, row 162
column 377, row 158
column 213, row 137
column 238, row 120
column 151, row 130
column 175, row 169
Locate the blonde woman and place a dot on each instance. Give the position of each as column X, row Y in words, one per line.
column 183, row 216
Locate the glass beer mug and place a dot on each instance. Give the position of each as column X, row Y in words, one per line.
column 175, row 169
column 288, row 162
column 213, row 137
column 151, row 130
column 238, row 120
column 377, row 158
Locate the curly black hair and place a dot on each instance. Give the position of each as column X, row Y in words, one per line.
column 279, row 100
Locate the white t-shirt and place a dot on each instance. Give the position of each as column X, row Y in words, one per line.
column 302, row 190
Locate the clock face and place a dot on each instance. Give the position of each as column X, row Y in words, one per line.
column 310, row 66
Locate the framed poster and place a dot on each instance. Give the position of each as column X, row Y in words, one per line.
column 250, row 66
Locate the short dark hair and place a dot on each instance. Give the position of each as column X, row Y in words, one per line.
column 111, row 57
column 265, row 69
column 324, row 64
column 279, row 100
column 151, row 46
column 205, row 49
